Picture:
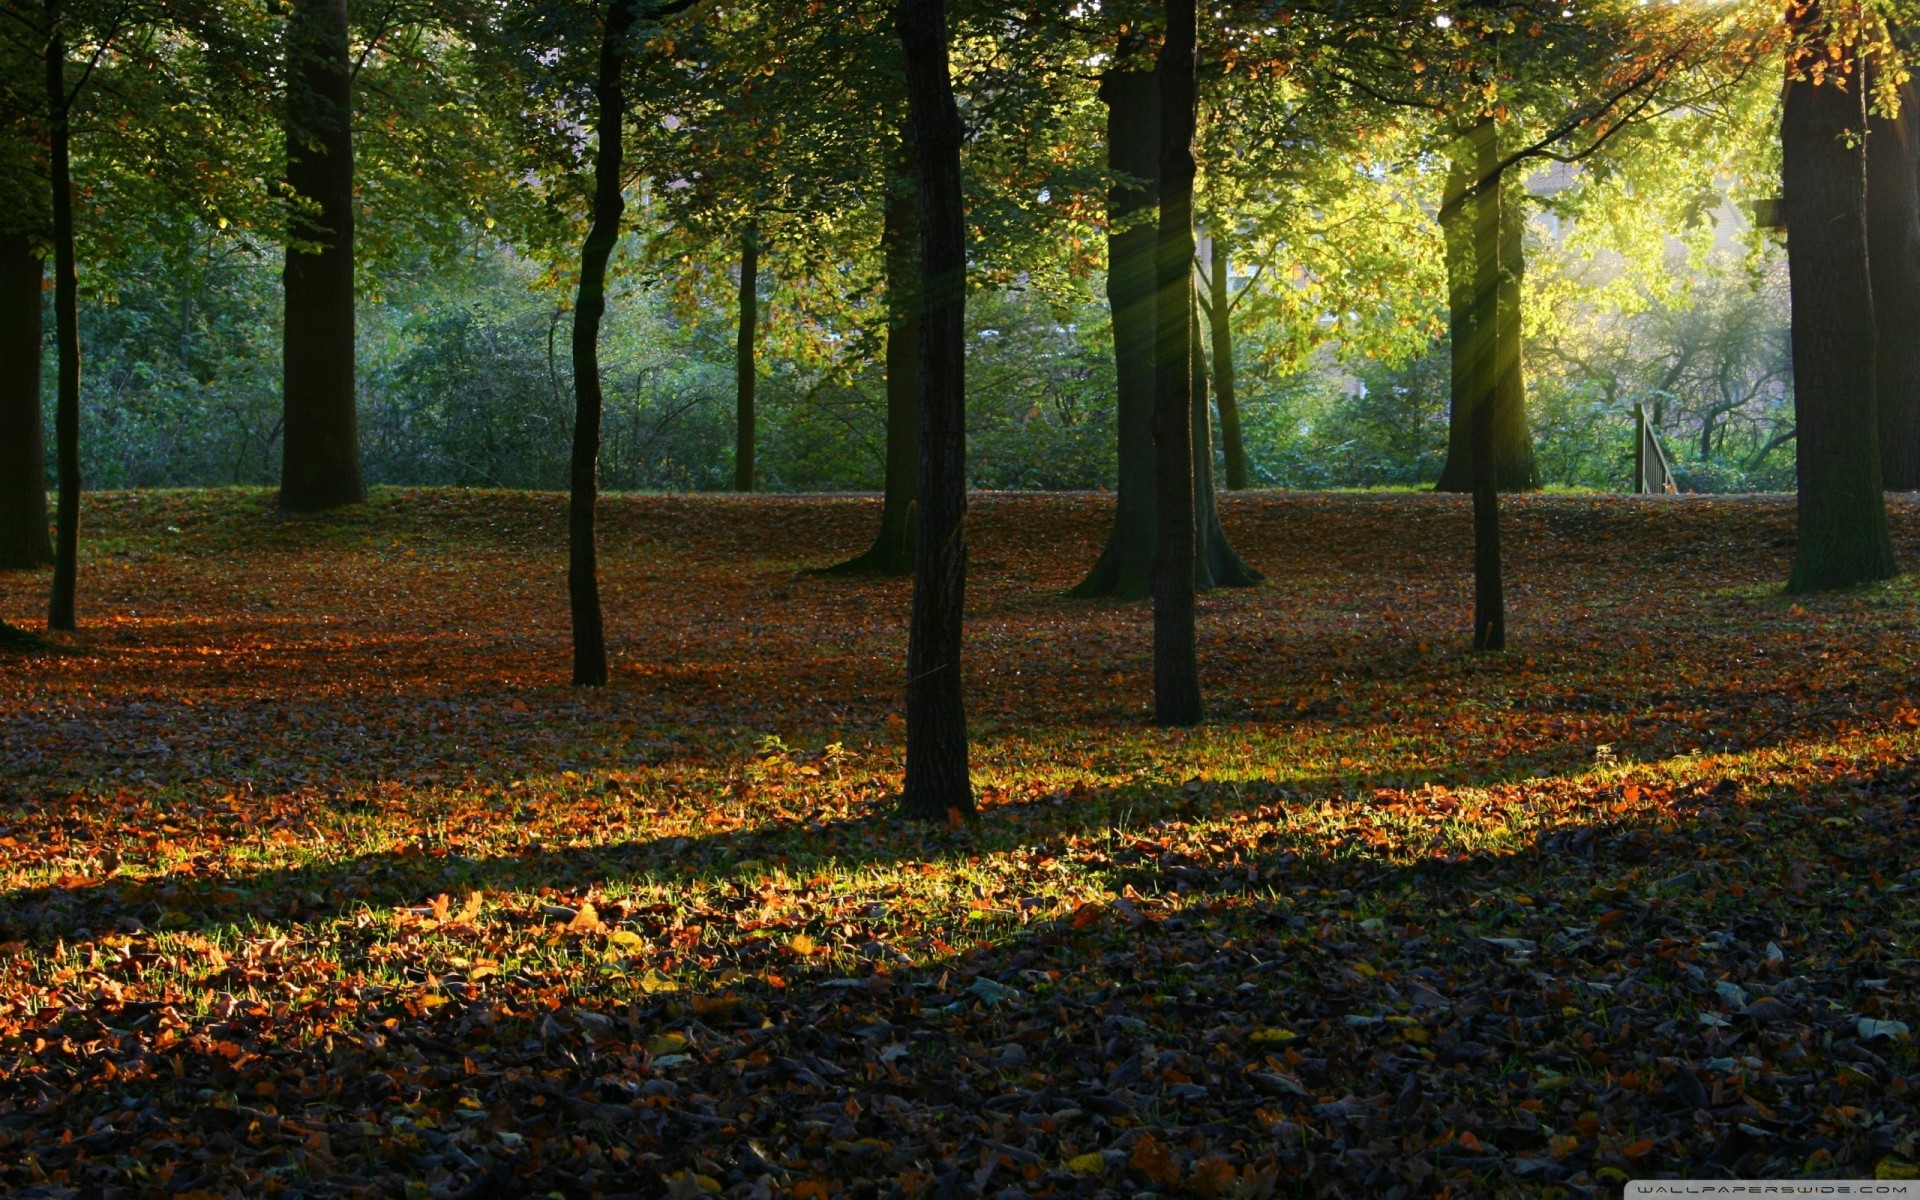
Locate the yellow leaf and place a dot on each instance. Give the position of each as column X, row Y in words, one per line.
column 668, row 1043
column 1273, row 1037
column 1088, row 1164
column 586, row 920
column 626, row 939
column 653, row 982
column 1893, row 1168
column 801, row 944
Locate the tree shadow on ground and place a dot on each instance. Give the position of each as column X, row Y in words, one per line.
column 1702, row 983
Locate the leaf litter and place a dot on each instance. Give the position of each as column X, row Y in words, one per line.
column 316, row 883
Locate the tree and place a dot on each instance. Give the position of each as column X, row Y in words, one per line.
column 1218, row 303
column 1487, row 347
column 1843, row 538
column 1893, row 257
column 321, row 448
column 24, row 230
column 1134, row 147
column 23, row 468
column 743, row 364
column 1513, row 465
column 1176, row 672
column 938, row 785
column 66, row 323
column 892, row 549
column 590, row 305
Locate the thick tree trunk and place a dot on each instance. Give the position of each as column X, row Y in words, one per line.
column 743, row 365
column 1489, row 295
column 938, row 785
column 1893, row 242
column 892, row 549
column 1176, row 672
column 1225, row 397
column 23, row 464
column 1843, row 538
column 320, row 453
column 1468, row 260
column 66, row 335
column 1125, row 566
column 583, row 570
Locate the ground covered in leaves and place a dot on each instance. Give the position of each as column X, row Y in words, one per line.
column 317, row 880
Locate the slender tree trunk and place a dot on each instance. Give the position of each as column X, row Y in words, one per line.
column 1216, row 563
column 1220, row 309
column 1490, row 293
column 938, row 784
column 1176, row 671
column 1893, row 241
column 23, row 465
column 1843, row 538
column 66, row 334
column 1125, row 566
column 1468, row 260
column 1199, row 442
column 320, row 463
column 583, row 570
column 743, row 360
column 892, row 550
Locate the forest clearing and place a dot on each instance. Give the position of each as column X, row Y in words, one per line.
column 318, row 878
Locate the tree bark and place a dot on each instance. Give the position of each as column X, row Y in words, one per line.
column 1893, row 242
column 892, row 549
column 1468, row 260
column 583, row 571
column 1490, row 294
column 1125, row 566
column 1225, row 397
column 743, row 417
column 1843, row 538
column 320, row 451
column 938, row 785
column 1215, row 562
column 23, row 464
column 66, row 334
column 1176, row 672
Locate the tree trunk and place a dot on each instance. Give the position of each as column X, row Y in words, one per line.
column 1514, row 467
column 1124, row 568
column 1467, row 261
column 1842, row 538
column 66, row 335
column 1216, row 563
column 892, row 550
column 743, row 432
column 23, row 465
column 938, row 785
column 1893, row 240
column 583, row 570
column 320, row 463
column 1220, row 308
column 1489, row 295
column 1176, row 672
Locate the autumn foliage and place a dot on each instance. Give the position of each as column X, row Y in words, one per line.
column 318, row 879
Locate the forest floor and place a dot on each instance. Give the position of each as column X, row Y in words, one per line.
column 318, row 880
